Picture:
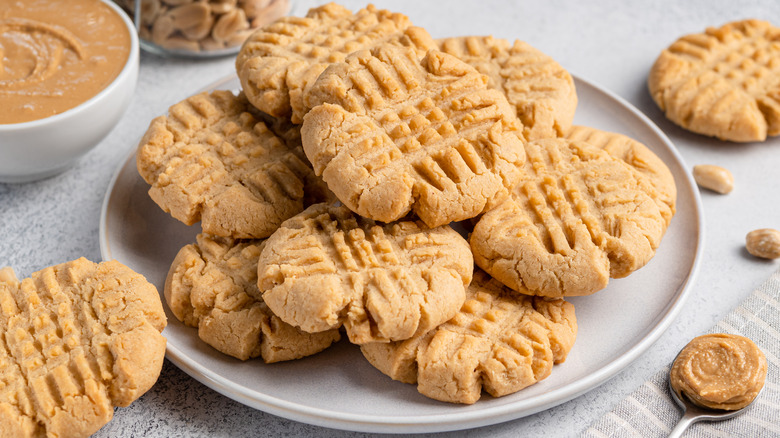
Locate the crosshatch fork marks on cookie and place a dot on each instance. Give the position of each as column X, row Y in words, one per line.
column 745, row 58
column 724, row 82
column 503, row 343
column 212, row 285
column 328, row 267
column 580, row 217
column 211, row 160
column 638, row 156
column 332, row 243
column 279, row 61
column 238, row 140
column 77, row 340
column 541, row 91
column 390, row 132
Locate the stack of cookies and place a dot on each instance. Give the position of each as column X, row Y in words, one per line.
column 335, row 190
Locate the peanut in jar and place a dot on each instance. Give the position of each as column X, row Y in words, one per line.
column 200, row 28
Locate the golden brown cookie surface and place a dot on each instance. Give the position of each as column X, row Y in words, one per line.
column 499, row 341
column 637, row 156
column 315, row 190
column 328, row 267
column 211, row 160
column 391, row 133
column 579, row 217
column 207, row 287
column 724, row 82
column 280, row 61
column 76, row 340
column 541, row 91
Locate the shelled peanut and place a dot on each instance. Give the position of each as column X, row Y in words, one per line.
column 202, row 25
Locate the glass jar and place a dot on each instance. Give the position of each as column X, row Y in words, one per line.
column 200, row 28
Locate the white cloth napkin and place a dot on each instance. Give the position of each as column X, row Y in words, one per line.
column 650, row 411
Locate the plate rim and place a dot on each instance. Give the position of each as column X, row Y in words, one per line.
column 447, row 421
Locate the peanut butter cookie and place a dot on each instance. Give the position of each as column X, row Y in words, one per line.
column 328, row 267
column 724, row 82
column 315, row 190
column 211, row 160
column 390, row 133
column 499, row 341
column 76, row 340
column 638, row 156
column 208, row 287
column 541, row 91
column 579, row 217
column 280, row 61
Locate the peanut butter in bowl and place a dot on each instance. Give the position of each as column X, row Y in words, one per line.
column 57, row 54
column 719, row 371
column 68, row 71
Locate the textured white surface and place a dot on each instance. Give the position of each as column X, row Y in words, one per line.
column 612, row 43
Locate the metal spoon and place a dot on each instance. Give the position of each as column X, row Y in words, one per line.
column 693, row 413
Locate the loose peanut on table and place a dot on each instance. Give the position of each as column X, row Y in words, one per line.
column 203, row 25
column 764, row 243
column 713, row 177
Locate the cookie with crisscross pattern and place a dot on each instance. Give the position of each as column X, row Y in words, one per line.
column 315, row 190
column 724, row 82
column 328, row 267
column 76, row 340
column 578, row 217
column 391, row 133
column 278, row 62
column 212, row 285
column 211, row 160
column 541, row 91
column 499, row 341
column 638, row 156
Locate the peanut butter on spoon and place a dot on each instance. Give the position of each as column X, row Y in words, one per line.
column 716, row 377
column 719, row 371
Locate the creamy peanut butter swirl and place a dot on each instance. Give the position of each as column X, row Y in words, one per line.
column 57, row 54
column 38, row 51
column 719, row 371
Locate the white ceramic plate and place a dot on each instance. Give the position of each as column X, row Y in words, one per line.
column 339, row 389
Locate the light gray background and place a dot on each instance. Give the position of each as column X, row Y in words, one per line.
column 611, row 43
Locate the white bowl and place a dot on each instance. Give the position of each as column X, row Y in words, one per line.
column 41, row 148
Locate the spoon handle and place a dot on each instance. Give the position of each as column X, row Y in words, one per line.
column 687, row 419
